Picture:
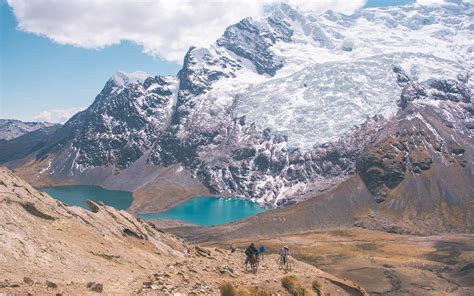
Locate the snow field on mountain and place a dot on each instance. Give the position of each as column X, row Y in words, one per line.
column 338, row 69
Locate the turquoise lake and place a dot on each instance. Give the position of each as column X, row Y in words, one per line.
column 76, row 195
column 204, row 210
column 200, row 210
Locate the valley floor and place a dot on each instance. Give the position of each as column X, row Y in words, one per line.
column 384, row 263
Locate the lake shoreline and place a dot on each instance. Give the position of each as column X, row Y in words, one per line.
column 181, row 201
column 201, row 210
column 209, row 211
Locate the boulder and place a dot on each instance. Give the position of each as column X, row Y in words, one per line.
column 96, row 287
column 51, row 285
column 93, row 206
column 420, row 160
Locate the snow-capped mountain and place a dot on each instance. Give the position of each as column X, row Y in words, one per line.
column 277, row 109
column 11, row 128
column 313, row 77
column 123, row 122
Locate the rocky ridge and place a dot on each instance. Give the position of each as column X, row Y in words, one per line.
column 434, row 126
column 11, row 128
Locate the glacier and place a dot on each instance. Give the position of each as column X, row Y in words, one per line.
column 331, row 71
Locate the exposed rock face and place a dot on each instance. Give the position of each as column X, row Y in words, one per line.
column 384, row 165
column 245, row 161
column 434, row 89
column 247, row 40
column 65, row 244
column 119, row 126
column 93, row 206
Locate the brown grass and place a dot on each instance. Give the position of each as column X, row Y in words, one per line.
column 317, row 288
column 293, row 286
column 227, row 289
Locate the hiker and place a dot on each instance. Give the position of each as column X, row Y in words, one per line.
column 252, row 254
column 261, row 251
column 284, row 254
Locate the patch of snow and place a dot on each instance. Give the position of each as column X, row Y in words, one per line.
column 123, row 78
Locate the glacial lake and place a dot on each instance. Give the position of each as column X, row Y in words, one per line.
column 76, row 195
column 200, row 210
column 206, row 211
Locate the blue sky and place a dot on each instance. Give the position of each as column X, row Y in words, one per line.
column 381, row 3
column 38, row 74
column 41, row 79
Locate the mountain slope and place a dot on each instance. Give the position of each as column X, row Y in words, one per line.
column 120, row 125
column 330, row 70
column 25, row 144
column 277, row 109
column 415, row 177
column 11, row 129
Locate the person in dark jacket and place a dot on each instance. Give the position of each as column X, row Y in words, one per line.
column 250, row 252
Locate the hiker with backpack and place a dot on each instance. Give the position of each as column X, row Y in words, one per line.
column 261, row 252
column 251, row 254
column 284, row 256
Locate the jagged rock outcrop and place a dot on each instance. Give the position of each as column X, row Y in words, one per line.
column 434, row 89
column 247, row 40
column 245, row 161
column 383, row 166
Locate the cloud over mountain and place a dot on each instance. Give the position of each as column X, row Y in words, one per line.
column 57, row 115
column 165, row 29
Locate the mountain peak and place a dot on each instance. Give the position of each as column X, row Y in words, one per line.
column 285, row 9
column 122, row 78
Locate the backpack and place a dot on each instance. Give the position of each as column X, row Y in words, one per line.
column 247, row 252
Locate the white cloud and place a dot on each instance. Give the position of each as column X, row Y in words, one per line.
column 345, row 6
column 57, row 115
column 429, row 2
column 164, row 28
column 433, row 2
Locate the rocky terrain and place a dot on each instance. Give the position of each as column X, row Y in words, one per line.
column 51, row 248
column 357, row 129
